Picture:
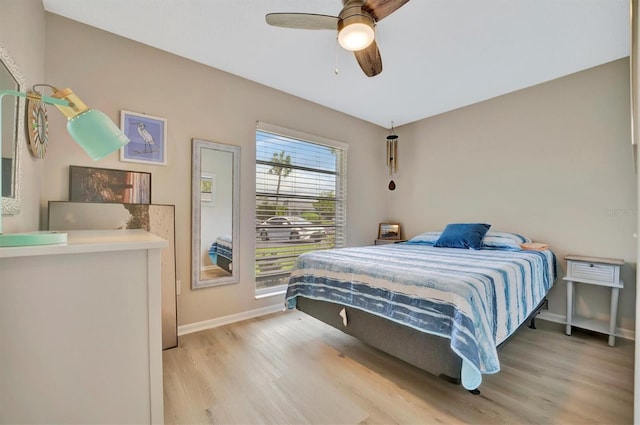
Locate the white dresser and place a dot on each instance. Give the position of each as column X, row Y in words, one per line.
column 80, row 330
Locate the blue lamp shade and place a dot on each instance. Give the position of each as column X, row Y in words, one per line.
column 96, row 133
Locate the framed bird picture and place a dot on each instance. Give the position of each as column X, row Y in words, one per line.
column 148, row 135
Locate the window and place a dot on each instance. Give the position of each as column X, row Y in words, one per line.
column 300, row 200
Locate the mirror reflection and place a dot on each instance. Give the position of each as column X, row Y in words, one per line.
column 214, row 213
column 12, row 132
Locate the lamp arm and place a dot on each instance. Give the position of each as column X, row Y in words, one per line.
column 34, row 96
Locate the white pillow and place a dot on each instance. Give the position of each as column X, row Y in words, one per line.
column 504, row 240
column 428, row 238
column 493, row 240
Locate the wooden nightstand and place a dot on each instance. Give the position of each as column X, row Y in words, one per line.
column 593, row 271
column 388, row 241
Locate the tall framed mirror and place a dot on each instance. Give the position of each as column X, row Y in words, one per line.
column 215, row 197
column 12, row 138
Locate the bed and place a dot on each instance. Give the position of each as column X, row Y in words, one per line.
column 221, row 252
column 444, row 310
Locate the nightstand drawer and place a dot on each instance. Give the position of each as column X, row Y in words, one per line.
column 605, row 273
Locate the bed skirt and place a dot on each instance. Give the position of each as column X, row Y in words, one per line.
column 431, row 353
column 224, row 263
column 428, row 352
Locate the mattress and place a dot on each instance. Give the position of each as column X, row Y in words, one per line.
column 476, row 299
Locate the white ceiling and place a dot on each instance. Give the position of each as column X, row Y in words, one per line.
column 437, row 55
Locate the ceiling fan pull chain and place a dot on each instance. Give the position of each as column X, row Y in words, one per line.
column 336, row 70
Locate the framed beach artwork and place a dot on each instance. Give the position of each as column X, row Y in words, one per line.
column 148, row 135
column 91, row 184
column 390, row 231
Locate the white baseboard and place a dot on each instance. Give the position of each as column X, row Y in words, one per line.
column 225, row 320
column 561, row 318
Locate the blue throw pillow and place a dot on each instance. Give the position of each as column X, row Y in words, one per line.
column 463, row 235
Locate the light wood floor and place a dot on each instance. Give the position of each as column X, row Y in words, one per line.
column 289, row 368
column 213, row 272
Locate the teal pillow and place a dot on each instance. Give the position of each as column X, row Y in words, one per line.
column 463, row 235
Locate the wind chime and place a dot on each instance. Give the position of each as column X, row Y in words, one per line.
column 392, row 156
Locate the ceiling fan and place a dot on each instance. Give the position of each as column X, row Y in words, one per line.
column 354, row 24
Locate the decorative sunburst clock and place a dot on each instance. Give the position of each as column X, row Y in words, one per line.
column 38, row 127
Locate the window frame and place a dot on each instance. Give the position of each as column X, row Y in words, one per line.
column 341, row 187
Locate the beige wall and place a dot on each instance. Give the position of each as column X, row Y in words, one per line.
column 22, row 29
column 111, row 73
column 552, row 162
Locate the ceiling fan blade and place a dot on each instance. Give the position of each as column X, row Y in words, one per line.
column 305, row 21
column 370, row 60
column 380, row 9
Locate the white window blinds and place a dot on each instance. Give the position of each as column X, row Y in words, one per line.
column 300, row 200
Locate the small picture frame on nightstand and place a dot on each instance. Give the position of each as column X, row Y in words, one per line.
column 389, row 231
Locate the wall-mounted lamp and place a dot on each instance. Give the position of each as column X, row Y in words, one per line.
column 392, row 156
column 91, row 129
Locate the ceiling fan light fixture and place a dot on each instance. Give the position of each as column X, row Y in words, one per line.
column 355, row 24
column 355, row 32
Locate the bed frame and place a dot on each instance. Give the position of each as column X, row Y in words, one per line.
column 428, row 352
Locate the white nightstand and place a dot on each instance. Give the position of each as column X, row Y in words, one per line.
column 388, row 241
column 593, row 271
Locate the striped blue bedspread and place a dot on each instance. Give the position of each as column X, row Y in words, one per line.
column 474, row 298
column 222, row 247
